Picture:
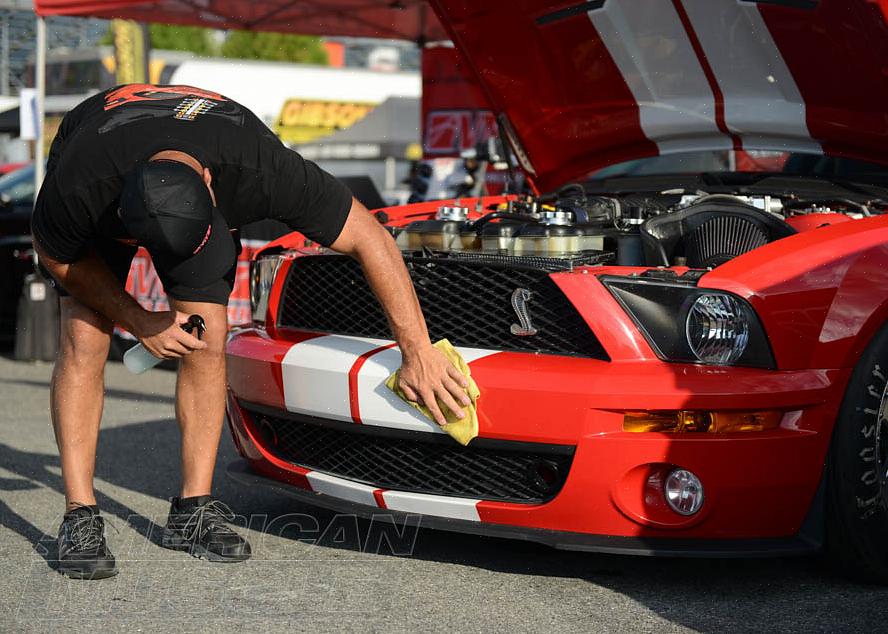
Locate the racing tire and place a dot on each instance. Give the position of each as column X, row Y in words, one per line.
column 857, row 471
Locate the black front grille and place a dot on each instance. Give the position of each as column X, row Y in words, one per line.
column 415, row 461
column 466, row 301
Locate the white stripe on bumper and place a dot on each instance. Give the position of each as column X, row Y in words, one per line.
column 315, row 374
column 437, row 505
column 316, row 382
column 381, row 407
column 341, row 488
column 421, row 503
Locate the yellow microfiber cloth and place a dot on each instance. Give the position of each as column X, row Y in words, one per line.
column 462, row 430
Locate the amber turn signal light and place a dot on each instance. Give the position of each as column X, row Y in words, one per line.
column 687, row 421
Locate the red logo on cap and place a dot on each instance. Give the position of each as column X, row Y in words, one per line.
column 204, row 241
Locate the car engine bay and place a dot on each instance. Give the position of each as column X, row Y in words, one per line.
column 677, row 227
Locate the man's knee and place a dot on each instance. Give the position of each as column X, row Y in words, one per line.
column 85, row 335
column 216, row 318
column 211, row 357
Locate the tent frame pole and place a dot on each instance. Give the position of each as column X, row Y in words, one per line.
column 40, row 85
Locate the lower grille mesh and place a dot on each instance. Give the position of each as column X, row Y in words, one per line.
column 419, row 462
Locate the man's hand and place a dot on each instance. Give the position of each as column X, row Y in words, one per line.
column 161, row 333
column 427, row 376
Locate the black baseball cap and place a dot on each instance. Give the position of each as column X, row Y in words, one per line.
column 166, row 206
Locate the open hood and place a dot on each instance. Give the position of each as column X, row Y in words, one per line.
column 581, row 85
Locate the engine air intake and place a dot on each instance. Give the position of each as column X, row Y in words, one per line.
column 723, row 238
column 710, row 233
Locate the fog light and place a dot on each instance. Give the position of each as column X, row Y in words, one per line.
column 683, row 491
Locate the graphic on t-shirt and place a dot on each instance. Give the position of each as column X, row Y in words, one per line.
column 134, row 93
column 189, row 108
column 136, row 102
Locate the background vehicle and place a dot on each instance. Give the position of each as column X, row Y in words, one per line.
column 16, row 203
column 10, row 167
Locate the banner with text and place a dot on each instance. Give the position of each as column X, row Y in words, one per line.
column 455, row 113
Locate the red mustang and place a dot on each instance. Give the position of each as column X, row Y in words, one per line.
column 675, row 356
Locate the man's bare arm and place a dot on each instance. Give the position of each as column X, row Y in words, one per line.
column 426, row 374
column 91, row 282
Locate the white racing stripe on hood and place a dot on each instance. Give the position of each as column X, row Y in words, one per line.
column 759, row 90
column 648, row 43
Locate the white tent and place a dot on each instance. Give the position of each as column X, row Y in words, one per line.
column 263, row 87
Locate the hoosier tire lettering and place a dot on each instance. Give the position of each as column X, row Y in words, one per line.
column 857, row 471
column 871, row 494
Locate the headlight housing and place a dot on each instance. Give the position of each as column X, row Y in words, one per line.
column 684, row 323
column 717, row 329
column 262, row 273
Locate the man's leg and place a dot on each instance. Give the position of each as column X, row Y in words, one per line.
column 77, row 395
column 197, row 521
column 200, row 399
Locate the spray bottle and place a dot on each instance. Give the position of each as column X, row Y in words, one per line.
column 137, row 359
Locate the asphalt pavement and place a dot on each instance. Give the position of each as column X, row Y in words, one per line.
column 315, row 571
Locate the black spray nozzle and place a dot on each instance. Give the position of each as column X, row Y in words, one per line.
column 195, row 322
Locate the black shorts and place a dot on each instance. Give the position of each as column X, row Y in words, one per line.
column 119, row 256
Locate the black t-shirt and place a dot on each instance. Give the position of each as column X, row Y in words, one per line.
column 254, row 175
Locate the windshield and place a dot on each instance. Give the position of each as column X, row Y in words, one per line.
column 749, row 162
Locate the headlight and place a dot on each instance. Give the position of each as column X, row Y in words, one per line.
column 717, row 329
column 262, row 273
column 696, row 325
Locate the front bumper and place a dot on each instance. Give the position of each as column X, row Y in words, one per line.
column 806, row 542
column 760, row 487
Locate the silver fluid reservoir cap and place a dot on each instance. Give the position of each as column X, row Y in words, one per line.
column 556, row 218
column 446, row 212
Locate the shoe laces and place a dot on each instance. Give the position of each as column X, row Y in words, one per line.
column 211, row 516
column 87, row 531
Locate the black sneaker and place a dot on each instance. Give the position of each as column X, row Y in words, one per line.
column 83, row 553
column 198, row 525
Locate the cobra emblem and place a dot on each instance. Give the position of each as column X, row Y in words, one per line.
column 520, row 299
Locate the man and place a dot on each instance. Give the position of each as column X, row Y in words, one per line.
column 175, row 169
